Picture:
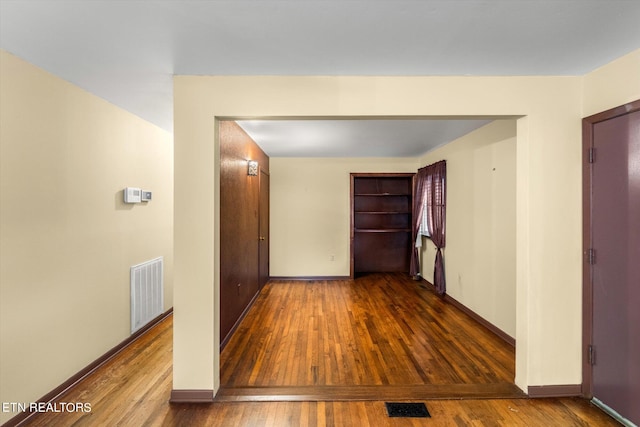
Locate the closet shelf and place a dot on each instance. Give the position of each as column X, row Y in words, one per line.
column 381, row 194
column 382, row 212
column 382, row 230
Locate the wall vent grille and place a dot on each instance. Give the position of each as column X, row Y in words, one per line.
column 147, row 290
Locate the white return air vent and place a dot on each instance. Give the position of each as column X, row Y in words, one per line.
column 146, row 292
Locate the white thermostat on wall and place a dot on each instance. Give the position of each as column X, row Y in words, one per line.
column 132, row 195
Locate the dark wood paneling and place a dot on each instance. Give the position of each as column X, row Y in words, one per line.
column 225, row 340
column 239, row 223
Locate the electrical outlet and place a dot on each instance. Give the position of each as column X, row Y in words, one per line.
column 332, row 257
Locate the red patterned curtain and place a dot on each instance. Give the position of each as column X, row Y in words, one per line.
column 436, row 194
column 418, row 202
column 431, row 185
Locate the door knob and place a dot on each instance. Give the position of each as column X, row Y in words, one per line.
column 261, row 238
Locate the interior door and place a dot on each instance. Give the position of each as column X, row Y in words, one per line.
column 263, row 251
column 615, row 264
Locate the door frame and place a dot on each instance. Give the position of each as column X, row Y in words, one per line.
column 588, row 124
column 264, row 238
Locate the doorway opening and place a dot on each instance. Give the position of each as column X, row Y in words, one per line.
column 296, row 177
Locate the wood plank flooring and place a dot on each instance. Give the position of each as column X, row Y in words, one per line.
column 378, row 330
column 133, row 388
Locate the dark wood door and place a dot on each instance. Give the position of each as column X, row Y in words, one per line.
column 263, row 233
column 615, row 264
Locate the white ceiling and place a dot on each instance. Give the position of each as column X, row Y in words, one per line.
column 355, row 138
column 127, row 51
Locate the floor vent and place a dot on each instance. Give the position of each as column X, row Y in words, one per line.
column 146, row 293
column 407, row 410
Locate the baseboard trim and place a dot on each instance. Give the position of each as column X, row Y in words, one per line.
column 475, row 316
column 567, row 390
column 484, row 322
column 88, row 370
column 309, row 278
column 191, row 396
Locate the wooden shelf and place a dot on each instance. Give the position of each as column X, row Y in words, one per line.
column 381, row 194
column 382, row 230
column 381, row 211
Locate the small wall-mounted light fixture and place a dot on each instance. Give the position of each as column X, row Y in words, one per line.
column 253, row 168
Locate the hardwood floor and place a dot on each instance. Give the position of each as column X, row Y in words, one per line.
column 378, row 330
column 133, row 388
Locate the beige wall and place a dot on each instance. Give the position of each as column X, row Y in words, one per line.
column 310, row 212
column 548, row 138
column 66, row 238
column 480, row 254
column 612, row 85
column 548, row 188
column 310, row 198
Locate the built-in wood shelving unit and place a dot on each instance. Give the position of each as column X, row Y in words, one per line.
column 381, row 224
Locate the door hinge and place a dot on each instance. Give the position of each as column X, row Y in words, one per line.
column 591, row 256
column 592, row 155
column 591, row 355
